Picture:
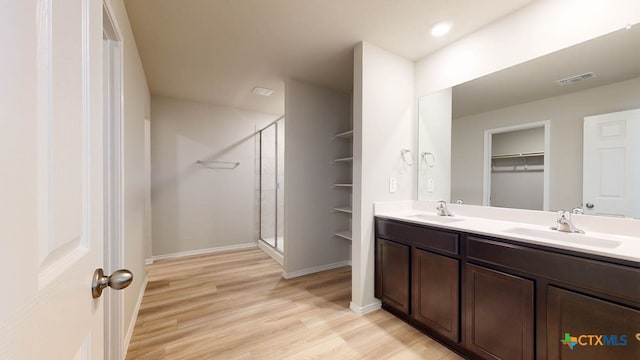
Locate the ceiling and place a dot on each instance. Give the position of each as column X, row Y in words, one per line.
column 613, row 57
column 217, row 51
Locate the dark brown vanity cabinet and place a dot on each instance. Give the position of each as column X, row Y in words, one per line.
column 435, row 294
column 392, row 274
column 491, row 298
column 586, row 328
column 417, row 274
column 499, row 314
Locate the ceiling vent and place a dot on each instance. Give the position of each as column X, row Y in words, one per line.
column 575, row 79
column 262, row 91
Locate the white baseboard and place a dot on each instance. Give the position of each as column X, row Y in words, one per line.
column 271, row 252
column 134, row 316
column 294, row 274
column 148, row 261
column 203, row 251
column 361, row 310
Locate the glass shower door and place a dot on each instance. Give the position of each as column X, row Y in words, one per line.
column 271, row 195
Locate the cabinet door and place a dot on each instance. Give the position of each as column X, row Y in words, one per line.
column 499, row 314
column 435, row 293
column 583, row 327
column 392, row 274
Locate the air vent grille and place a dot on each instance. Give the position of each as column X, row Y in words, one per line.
column 262, row 91
column 575, row 79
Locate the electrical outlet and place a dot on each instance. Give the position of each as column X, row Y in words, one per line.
column 430, row 185
column 393, row 185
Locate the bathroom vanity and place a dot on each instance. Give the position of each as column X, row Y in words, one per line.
column 493, row 296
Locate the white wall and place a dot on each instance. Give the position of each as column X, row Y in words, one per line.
column 434, row 132
column 313, row 116
column 383, row 113
column 193, row 207
column 136, row 105
column 566, row 116
column 148, row 253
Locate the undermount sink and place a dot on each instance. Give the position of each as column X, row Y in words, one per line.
column 565, row 237
column 435, row 218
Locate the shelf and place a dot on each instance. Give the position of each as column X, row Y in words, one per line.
column 519, row 155
column 343, row 205
column 515, row 169
column 343, row 234
column 343, row 210
column 344, row 135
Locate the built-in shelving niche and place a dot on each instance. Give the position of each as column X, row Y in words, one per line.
column 344, row 159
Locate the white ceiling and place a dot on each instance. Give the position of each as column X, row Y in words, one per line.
column 216, row 51
column 613, row 57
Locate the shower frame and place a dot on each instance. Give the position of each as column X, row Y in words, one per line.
column 275, row 124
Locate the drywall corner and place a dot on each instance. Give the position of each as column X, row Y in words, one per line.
column 384, row 125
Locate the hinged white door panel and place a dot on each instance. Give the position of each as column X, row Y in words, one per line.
column 52, row 192
column 611, row 164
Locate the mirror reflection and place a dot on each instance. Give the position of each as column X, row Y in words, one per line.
column 558, row 132
column 516, row 162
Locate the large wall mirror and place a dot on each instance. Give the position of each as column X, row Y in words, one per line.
column 558, row 132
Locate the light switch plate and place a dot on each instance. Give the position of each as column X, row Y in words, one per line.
column 393, row 185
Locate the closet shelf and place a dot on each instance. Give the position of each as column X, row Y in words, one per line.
column 343, row 185
column 345, row 159
column 343, row 210
column 518, row 155
column 344, row 135
column 343, row 234
column 224, row 165
column 517, row 169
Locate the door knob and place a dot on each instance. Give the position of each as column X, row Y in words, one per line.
column 119, row 280
column 589, row 205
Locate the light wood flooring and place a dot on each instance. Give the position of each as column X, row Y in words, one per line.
column 236, row 305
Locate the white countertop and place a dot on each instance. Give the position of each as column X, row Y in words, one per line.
column 532, row 227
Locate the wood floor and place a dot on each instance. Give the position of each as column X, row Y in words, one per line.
column 235, row 305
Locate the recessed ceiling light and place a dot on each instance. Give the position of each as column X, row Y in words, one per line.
column 262, row 91
column 440, row 29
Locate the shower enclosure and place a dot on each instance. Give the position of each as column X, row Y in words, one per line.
column 271, row 140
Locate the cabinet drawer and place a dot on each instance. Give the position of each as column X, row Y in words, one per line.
column 606, row 278
column 419, row 236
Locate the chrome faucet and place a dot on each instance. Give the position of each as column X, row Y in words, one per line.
column 564, row 224
column 442, row 209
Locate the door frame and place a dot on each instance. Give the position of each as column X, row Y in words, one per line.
column 488, row 142
column 114, row 181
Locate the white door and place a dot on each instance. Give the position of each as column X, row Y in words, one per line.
column 611, row 164
column 51, row 186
